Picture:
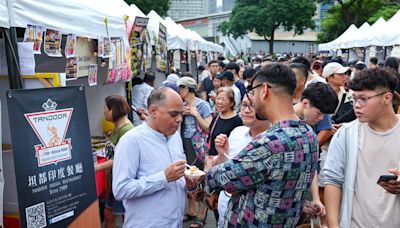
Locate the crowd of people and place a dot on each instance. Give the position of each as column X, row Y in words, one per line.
column 281, row 141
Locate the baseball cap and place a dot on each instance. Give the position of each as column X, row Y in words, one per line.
column 228, row 75
column 171, row 78
column 188, row 82
column 333, row 68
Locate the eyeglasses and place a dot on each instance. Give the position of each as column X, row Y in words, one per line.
column 250, row 106
column 363, row 100
column 250, row 89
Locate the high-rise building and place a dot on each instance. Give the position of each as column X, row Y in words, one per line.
column 227, row 5
column 212, row 6
column 180, row 9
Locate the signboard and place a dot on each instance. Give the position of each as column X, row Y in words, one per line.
column 161, row 49
column 119, row 61
column 84, row 50
column 136, row 40
column 54, row 165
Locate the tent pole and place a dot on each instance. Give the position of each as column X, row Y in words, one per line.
column 384, row 53
column 10, row 38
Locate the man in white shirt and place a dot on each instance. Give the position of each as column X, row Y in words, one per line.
column 228, row 81
column 149, row 166
column 140, row 93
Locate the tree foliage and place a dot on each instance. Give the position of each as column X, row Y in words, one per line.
column 345, row 13
column 265, row 16
column 160, row 6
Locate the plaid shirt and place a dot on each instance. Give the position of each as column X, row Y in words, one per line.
column 270, row 178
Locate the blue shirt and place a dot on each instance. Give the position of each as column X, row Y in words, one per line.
column 189, row 124
column 139, row 181
column 324, row 124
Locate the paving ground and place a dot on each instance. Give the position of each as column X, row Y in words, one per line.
column 210, row 222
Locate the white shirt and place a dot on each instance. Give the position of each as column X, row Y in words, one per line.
column 238, row 97
column 139, row 181
column 238, row 139
column 140, row 94
column 316, row 78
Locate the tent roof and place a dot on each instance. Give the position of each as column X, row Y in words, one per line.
column 175, row 39
column 4, row 23
column 137, row 11
column 335, row 43
column 67, row 16
column 154, row 24
column 377, row 33
column 357, row 38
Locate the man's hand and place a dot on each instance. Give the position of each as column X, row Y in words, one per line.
column 192, row 184
column 336, row 127
column 175, row 171
column 392, row 186
column 143, row 114
column 314, row 209
column 222, row 144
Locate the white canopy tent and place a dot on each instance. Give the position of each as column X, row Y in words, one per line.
column 377, row 37
column 335, row 44
column 4, row 23
column 357, row 38
column 67, row 16
column 154, row 24
column 175, row 39
column 393, row 31
column 137, row 11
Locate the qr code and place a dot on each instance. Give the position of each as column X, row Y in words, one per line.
column 36, row 216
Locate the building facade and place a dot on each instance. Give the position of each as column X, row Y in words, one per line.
column 180, row 9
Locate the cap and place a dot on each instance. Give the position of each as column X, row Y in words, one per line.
column 188, row 82
column 333, row 68
column 171, row 78
column 228, row 75
column 240, row 62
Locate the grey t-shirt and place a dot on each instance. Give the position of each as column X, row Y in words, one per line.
column 189, row 124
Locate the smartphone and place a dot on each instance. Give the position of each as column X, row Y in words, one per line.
column 386, row 178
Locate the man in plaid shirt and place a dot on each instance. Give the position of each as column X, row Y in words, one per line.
column 270, row 178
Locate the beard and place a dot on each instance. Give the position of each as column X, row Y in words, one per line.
column 259, row 108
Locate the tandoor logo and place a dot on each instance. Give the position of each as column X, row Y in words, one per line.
column 51, row 127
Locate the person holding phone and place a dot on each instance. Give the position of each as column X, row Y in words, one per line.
column 360, row 152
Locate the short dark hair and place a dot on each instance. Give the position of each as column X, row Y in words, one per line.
column 221, row 64
column 303, row 60
column 248, row 73
column 369, row 79
column 393, row 63
column 211, row 62
column 233, row 66
column 373, row 60
column 157, row 96
column 301, row 68
column 321, row 96
column 279, row 75
column 118, row 105
column 149, row 76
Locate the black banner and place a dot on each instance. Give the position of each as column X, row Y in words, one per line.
column 52, row 155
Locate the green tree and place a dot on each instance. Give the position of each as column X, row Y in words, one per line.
column 347, row 12
column 265, row 16
column 160, row 6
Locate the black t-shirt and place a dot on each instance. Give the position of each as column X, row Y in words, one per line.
column 207, row 86
column 223, row 126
